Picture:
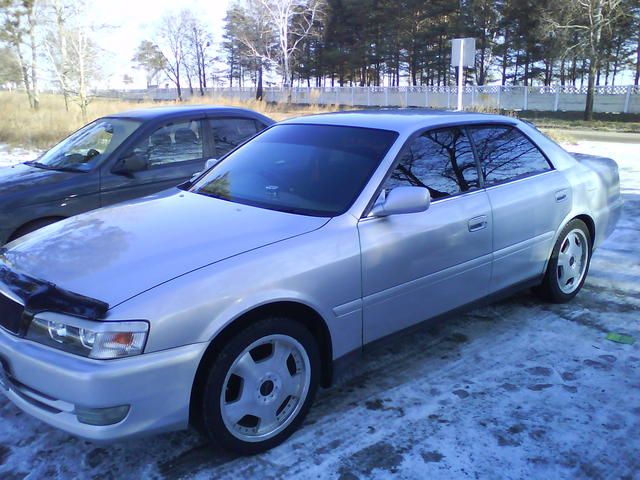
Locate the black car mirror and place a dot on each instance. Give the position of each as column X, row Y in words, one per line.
column 132, row 163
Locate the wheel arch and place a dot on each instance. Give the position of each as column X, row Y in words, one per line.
column 46, row 220
column 585, row 218
column 591, row 225
column 297, row 311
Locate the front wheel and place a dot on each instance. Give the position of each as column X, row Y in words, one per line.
column 261, row 386
column 569, row 263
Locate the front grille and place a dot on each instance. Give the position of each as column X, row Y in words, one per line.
column 10, row 314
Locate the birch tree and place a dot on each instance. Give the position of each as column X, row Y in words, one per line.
column 292, row 22
column 18, row 30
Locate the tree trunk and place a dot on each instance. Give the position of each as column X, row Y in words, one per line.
column 25, row 75
column 637, row 79
column 594, row 64
column 34, row 62
column 588, row 109
column 259, row 89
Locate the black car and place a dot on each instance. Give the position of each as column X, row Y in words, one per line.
column 117, row 158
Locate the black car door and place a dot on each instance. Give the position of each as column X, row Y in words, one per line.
column 172, row 152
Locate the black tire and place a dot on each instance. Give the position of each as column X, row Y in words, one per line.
column 550, row 289
column 32, row 227
column 212, row 423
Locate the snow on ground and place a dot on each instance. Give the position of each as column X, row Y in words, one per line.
column 518, row 389
column 11, row 156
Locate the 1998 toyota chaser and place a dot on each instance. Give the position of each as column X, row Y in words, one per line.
column 225, row 303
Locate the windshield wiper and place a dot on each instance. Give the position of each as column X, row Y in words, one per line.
column 49, row 167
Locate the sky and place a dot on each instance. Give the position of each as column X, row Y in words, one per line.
column 132, row 21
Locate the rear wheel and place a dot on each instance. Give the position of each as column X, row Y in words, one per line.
column 261, row 386
column 569, row 263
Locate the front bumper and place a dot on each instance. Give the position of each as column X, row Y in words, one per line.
column 52, row 385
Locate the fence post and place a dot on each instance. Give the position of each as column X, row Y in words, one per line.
column 627, row 99
column 557, row 100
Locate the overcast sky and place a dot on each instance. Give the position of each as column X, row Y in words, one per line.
column 134, row 21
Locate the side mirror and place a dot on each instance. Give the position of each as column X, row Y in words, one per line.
column 403, row 200
column 212, row 162
column 132, row 163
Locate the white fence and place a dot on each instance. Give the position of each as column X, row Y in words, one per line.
column 617, row 99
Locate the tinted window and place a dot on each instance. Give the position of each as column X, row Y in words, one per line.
column 307, row 169
column 506, row 154
column 171, row 143
column 441, row 160
column 228, row 133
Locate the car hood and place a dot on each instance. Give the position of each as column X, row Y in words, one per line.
column 18, row 178
column 115, row 253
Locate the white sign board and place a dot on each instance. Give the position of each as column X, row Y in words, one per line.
column 463, row 54
column 468, row 48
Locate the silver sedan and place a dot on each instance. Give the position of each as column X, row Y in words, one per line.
column 226, row 302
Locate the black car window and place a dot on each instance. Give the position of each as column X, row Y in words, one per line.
column 441, row 160
column 228, row 133
column 172, row 143
column 506, row 154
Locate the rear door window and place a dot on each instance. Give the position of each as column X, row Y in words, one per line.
column 173, row 143
column 506, row 154
column 228, row 133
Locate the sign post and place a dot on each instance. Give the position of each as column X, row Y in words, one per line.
column 463, row 54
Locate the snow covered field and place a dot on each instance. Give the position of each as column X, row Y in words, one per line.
column 519, row 389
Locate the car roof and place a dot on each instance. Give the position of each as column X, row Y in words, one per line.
column 168, row 112
column 399, row 119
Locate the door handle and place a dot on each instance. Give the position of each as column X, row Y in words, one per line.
column 561, row 195
column 478, row 223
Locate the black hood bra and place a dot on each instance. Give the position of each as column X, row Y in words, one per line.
column 41, row 296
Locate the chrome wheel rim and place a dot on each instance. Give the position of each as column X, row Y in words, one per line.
column 265, row 388
column 572, row 261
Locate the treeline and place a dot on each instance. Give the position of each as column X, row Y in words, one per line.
column 407, row 42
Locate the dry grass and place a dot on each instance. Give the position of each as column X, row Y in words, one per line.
column 23, row 127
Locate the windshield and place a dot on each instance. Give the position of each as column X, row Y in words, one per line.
column 85, row 148
column 308, row 169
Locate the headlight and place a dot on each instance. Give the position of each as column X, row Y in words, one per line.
column 100, row 340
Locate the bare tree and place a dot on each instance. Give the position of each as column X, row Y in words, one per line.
column 19, row 31
column 198, row 40
column 172, row 36
column 57, row 13
column 292, row 22
column 589, row 19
